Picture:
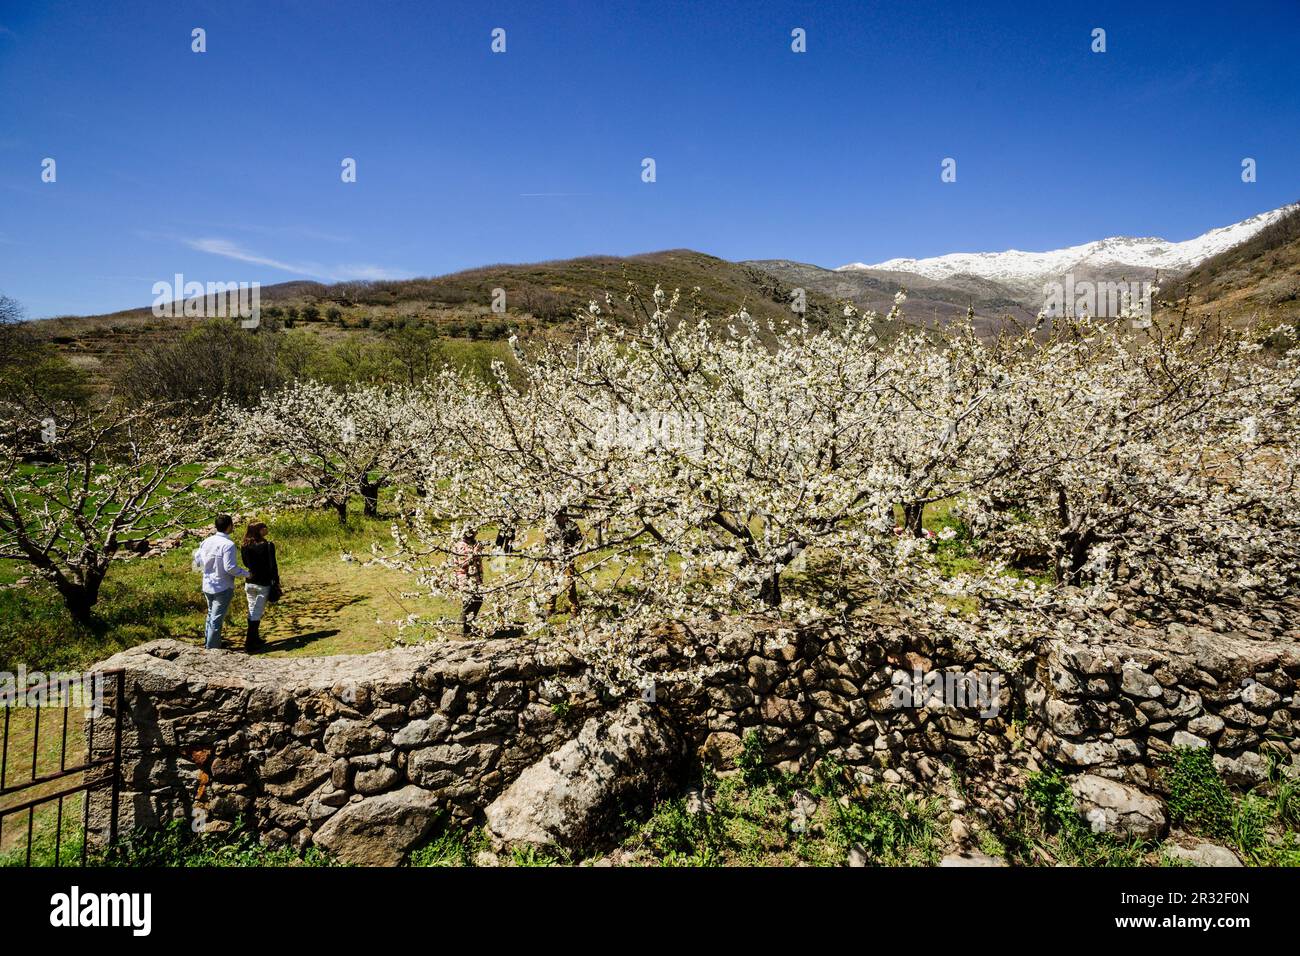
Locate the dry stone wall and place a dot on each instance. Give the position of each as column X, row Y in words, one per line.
column 364, row 756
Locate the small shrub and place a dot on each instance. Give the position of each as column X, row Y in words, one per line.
column 1055, row 828
column 453, row 846
column 751, row 760
column 532, row 856
column 1198, row 798
column 894, row 828
column 678, row 837
column 1049, row 795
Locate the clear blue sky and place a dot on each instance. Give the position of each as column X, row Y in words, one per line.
column 225, row 165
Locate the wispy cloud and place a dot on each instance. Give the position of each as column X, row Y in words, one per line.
column 231, row 250
column 315, row 270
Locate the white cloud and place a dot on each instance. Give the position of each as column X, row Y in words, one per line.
column 314, row 270
column 230, row 250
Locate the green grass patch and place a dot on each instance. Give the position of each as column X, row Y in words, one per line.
column 452, row 846
column 331, row 605
column 1050, row 830
column 1199, row 800
column 1263, row 825
column 748, row 818
column 176, row 845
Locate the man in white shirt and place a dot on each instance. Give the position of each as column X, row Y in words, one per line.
column 216, row 559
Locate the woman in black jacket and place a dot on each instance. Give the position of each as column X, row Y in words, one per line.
column 263, row 584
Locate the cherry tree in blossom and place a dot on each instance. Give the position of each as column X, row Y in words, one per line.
column 78, row 484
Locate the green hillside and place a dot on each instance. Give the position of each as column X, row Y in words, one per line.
column 542, row 301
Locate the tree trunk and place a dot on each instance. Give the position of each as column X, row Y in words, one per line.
column 78, row 597
column 1072, row 554
column 370, row 496
column 342, row 508
column 914, row 518
column 770, row 591
column 1073, row 542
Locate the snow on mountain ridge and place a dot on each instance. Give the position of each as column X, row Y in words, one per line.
column 1028, row 271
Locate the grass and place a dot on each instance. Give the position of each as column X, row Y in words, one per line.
column 1199, row 800
column 1263, row 825
column 45, row 823
column 31, row 755
column 176, row 846
column 452, row 846
column 1049, row 830
column 338, row 606
column 746, row 819
column 331, row 606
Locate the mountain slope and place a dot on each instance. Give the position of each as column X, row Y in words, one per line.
column 929, row 302
column 1258, row 279
column 1024, row 274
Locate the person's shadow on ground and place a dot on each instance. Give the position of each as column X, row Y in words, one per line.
column 293, row 642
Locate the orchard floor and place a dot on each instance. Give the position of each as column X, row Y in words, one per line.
column 336, row 601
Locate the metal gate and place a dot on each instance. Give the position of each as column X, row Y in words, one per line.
column 25, row 791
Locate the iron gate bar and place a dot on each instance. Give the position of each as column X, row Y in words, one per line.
column 87, row 784
column 56, row 775
column 58, row 832
column 36, row 739
column 63, row 747
column 37, row 801
column 118, row 695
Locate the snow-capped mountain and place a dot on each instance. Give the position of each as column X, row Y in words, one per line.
column 1026, row 273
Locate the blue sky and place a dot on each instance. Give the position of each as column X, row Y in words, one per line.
column 225, row 166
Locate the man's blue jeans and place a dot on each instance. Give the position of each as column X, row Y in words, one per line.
column 218, row 604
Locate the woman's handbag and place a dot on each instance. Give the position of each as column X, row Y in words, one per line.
column 275, row 593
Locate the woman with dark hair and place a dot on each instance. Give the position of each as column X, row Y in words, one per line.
column 263, row 585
